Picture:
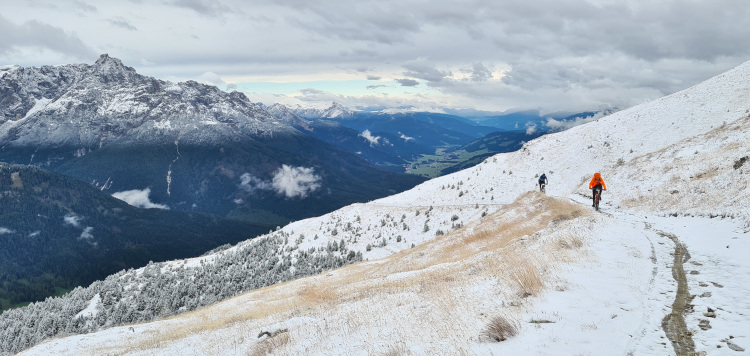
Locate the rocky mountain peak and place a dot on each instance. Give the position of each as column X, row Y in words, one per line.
column 110, row 68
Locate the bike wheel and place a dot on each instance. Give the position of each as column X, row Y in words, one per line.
column 596, row 202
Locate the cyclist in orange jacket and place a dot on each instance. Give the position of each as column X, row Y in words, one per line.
column 597, row 185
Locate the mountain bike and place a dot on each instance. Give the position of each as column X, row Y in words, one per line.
column 597, row 198
column 542, row 187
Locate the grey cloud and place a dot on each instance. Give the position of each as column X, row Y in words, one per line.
column 371, row 87
column 122, row 23
column 35, row 34
column 405, row 82
column 479, row 72
column 555, row 53
column 422, row 70
column 251, row 183
column 213, row 8
column 80, row 5
column 312, row 91
column 368, row 21
column 649, row 31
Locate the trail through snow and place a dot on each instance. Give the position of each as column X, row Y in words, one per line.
column 613, row 301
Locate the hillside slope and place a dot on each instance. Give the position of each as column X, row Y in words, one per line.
column 442, row 255
column 59, row 233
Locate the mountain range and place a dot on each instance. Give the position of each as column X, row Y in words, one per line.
column 194, row 147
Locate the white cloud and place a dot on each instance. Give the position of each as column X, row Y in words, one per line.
column 560, row 125
column 250, row 183
column 406, row 138
column 72, row 219
column 369, row 137
column 211, row 79
column 295, row 181
column 138, row 198
column 531, row 129
column 86, row 234
column 5, row 230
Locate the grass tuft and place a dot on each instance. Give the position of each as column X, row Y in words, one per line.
column 500, row 329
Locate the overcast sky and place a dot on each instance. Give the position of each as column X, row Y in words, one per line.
column 481, row 54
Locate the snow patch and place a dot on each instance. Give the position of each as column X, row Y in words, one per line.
column 39, row 105
column 90, row 310
column 163, row 125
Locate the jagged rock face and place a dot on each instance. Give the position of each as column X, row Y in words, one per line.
column 334, row 111
column 91, row 106
column 285, row 115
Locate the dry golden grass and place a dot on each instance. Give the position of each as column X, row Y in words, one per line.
column 500, row 329
column 526, row 277
column 494, row 249
column 315, row 294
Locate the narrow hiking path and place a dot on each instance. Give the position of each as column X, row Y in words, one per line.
column 673, row 323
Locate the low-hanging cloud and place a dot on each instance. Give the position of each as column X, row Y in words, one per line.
column 72, row 219
column 560, row 125
column 295, row 181
column 87, row 236
column 138, row 198
column 531, row 128
column 289, row 181
column 405, row 138
column 251, row 183
column 367, row 135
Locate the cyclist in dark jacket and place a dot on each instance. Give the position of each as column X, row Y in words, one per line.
column 542, row 182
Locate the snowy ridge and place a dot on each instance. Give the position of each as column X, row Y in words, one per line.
column 322, row 111
column 454, row 254
column 109, row 103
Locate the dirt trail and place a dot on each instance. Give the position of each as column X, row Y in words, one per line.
column 674, row 323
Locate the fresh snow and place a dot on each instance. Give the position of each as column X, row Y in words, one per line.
column 90, row 309
column 38, row 106
column 677, row 173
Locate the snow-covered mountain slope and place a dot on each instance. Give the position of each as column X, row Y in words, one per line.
column 109, row 103
column 333, row 110
column 451, row 257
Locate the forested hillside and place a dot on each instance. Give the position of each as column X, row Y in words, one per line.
column 59, row 233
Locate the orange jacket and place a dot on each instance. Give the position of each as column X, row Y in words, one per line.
column 597, row 180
